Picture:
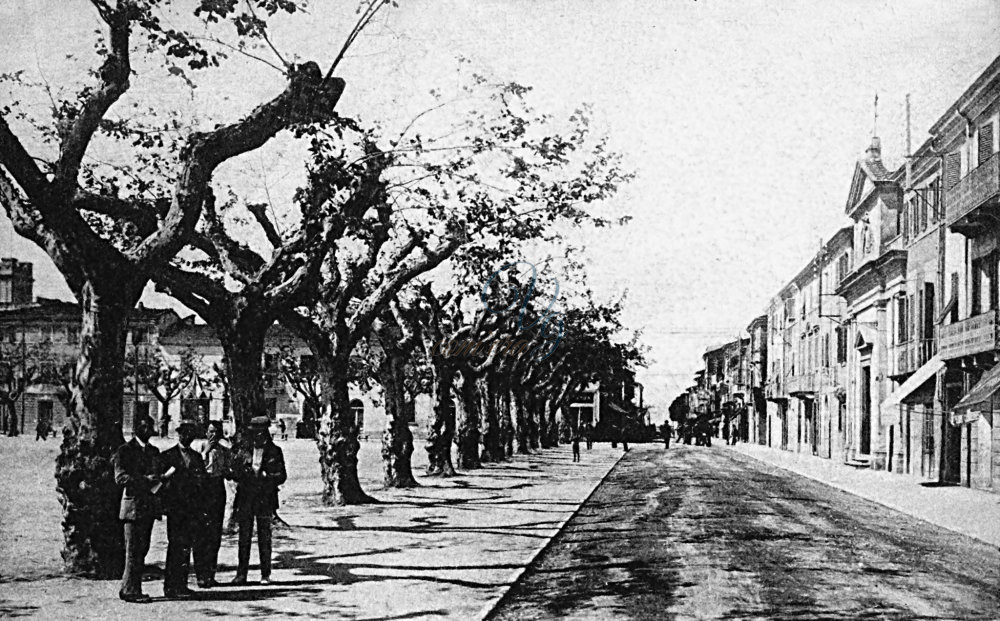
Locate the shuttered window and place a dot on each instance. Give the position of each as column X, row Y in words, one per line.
column 985, row 142
column 953, row 169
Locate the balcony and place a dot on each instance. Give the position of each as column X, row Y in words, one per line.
column 973, row 336
column 979, row 189
column 802, row 384
column 914, row 354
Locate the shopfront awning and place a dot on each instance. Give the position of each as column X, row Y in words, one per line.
column 890, row 407
column 979, row 400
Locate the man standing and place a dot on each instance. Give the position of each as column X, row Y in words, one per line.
column 666, row 434
column 136, row 471
column 216, row 455
column 258, row 470
column 185, row 472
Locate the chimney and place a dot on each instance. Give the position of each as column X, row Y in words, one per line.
column 875, row 150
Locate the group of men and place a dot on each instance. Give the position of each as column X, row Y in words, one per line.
column 188, row 487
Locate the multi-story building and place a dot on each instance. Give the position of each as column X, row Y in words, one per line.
column 967, row 137
column 725, row 382
column 756, row 380
column 873, row 291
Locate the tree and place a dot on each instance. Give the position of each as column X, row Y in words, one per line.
column 302, row 375
column 397, row 341
column 162, row 378
column 108, row 232
column 21, row 367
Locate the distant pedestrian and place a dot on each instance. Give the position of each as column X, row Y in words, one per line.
column 41, row 430
column 576, row 446
column 666, row 435
column 13, row 431
column 589, row 431
column 136, row 465
column 164, row 425
column 259, row 469
column 281, row 429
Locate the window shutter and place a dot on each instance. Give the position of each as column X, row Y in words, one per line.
column 985, row 142
column 952, row 169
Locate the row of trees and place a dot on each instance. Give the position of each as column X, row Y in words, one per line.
column 388, row 246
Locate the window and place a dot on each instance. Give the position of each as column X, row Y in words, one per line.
column 358, row 413
column 985, row 142
column 952, row 169
column 6, row 292
column 826, row 350
column 953, row 318
column 843, row 266
column 933, row 196
column 902, row 333
column 841, row 344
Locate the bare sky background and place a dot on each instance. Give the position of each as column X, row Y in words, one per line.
column 742, row 119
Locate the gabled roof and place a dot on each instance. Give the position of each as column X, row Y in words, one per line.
column 869, row 168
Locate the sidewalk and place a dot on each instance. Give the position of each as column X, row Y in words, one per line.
column 448, row 549
column 970, row 512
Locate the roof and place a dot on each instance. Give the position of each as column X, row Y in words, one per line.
column 988, row 75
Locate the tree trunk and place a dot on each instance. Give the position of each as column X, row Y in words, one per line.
column 441, row 428
column 521, row 421
column 85, row 483
column 243, row 349
column 554, row 422
column 506, row 422
column 468, row 428
column 543, row 423
column 531, row 415
column 492, row 435
column 338, row 445
column 397, row 441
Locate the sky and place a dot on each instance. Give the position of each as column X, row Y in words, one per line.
column 742, row 120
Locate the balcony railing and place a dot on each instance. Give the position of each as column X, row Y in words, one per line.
column 973, row 336
column 802, row 383
column 914, row 354
column 978, row 187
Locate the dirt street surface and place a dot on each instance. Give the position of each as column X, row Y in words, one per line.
column 701, row 533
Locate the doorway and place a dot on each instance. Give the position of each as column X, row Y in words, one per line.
column 865, row 444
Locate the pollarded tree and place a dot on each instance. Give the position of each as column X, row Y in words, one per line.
column 108, row 227
column 163, row 378
column 21, row 367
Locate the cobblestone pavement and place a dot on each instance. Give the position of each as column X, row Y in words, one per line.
column 701, row 533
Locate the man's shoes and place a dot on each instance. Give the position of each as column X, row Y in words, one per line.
column 135, row 598
column 178, row 593
column 239, row 581
column 206, row 584
column 265, row 580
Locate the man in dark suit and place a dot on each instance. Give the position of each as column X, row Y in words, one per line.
column 258, row 470
column 184, row 472
column 217, row 456
column 137, row 471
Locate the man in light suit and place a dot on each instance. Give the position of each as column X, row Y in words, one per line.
column 137, row 471
column 258, row 470
column 184, row 474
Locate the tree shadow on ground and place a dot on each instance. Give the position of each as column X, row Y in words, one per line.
column 10, row 610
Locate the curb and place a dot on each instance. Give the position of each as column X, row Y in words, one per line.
column 877, row 501
column 515, row 575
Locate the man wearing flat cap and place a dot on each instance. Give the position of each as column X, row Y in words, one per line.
column 184, row 476
column 258, row 468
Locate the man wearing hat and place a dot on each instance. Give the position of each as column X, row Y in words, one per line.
column 258, row 468
column 184, row 475
column 137, row 472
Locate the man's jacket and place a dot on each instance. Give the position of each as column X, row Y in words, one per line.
column 133, row 463
column 257, row 490
column 182, row 492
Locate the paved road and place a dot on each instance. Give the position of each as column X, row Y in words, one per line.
column 703, row 533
